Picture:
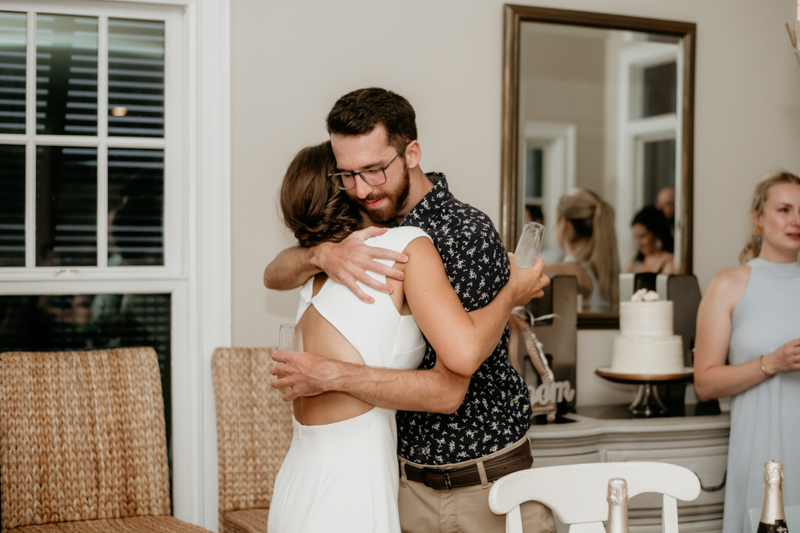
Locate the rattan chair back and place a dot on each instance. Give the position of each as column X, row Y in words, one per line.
column 82, row 436
column 254, row 427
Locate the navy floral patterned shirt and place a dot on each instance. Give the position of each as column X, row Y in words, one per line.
column 497, row 410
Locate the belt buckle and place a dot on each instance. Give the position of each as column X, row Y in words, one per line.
column 444, row 473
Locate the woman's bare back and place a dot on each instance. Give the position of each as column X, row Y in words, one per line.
column 320, row 336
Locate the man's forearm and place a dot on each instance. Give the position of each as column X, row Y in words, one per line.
column 488, row 324
column 491, row 320
column 433, row 391
column 291, row 268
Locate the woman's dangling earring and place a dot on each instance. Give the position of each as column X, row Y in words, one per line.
column 759, row 234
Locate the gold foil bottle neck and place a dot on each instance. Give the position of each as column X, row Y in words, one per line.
column 773, row 473
column 772, row 512
column 617, row 491
column 617, row 506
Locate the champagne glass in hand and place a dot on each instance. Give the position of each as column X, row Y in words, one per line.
column 289, row 340
column 530, row 242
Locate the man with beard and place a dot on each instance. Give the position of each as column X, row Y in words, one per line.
column 447, row 459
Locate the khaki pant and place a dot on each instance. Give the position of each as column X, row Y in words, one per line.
column 464, row 509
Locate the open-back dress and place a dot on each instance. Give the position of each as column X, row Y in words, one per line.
column 343, row 477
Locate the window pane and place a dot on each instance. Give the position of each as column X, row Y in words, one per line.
column 659, row 168
column 66, row 75
column 66, row 206
column 13, row 27
column 660, row 86
column 12, row 206
column 534, row 173
column 135, row 207
column 135, row 78
column 91, row 321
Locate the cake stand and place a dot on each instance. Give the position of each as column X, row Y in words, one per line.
column 647, row 403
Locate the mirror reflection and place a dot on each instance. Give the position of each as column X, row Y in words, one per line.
column 601, row 144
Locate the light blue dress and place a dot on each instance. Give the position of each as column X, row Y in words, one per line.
column 765, row 419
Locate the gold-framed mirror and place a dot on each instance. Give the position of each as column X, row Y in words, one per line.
column 600, row 102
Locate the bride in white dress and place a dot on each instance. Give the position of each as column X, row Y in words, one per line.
column 341, row 472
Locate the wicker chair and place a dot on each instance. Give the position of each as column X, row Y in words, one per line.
column 254, row 430
column 83, row 443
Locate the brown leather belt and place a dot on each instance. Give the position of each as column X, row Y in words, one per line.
column 518, row 458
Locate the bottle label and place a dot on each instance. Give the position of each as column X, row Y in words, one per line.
column 778, row 527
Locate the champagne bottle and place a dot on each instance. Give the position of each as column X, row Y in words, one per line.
column 617, row 506
column 773, row 519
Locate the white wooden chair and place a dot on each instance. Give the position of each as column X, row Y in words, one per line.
column 577, row 493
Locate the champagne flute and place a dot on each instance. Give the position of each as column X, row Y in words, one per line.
column 529, row 244
column 290, row 339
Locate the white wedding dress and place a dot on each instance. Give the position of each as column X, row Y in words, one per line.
column 343, row 477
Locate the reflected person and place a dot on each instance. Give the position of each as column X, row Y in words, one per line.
column 653, row 242
column 585, row 231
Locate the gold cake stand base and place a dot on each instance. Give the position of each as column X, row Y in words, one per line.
column 647, row 403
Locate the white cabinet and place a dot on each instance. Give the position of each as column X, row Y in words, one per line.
column 699, row 443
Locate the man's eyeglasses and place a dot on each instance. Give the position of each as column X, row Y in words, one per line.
column 371, row 176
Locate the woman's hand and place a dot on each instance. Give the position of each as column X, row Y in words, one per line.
column 784, row 359
column 527, row 283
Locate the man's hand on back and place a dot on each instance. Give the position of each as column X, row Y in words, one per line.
column 432, row 391
column 348, row 261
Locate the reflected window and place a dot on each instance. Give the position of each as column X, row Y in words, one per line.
column 659, row 168
column 659, row 89
column 533, row 175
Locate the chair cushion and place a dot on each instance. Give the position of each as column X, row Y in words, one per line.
column 143, row 524
column 244, row 521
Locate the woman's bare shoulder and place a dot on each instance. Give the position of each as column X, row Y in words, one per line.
column 730, row 284
column 733, row 276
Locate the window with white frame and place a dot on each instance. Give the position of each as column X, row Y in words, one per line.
column 649, row 129
column 549, row 162
column 92, row 178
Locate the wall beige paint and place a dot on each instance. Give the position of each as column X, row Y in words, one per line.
column 291, row 59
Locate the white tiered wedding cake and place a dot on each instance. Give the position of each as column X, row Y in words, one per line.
column 646, row 343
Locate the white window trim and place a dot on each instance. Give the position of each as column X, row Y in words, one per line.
column 203, row 282
column 558, row 141
column 632, row 133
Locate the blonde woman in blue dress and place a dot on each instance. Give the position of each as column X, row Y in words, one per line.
column 748, row 348
column 341, row 471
